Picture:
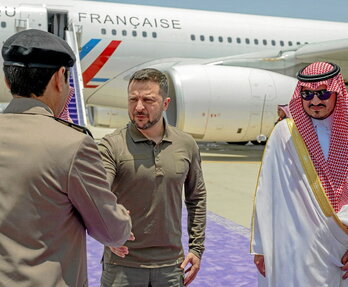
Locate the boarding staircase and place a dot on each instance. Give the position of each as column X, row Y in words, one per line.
column 77, row 109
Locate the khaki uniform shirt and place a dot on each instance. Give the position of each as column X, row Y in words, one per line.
column 52, row 188
column 148, row 180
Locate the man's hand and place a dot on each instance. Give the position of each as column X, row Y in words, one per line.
column 122, row 251
column 259, row 261
column 193, row 269
column 344, row 261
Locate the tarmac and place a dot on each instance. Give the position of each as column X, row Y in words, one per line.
column 230, row 172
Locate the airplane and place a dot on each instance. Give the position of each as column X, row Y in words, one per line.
column 227, row 72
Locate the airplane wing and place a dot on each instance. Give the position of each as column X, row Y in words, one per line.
column 336, row 50
column 289, row 61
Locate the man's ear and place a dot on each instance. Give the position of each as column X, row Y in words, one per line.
column 60, row 78
column 166, row 102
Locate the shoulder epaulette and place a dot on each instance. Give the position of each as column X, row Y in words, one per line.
column 74, row 126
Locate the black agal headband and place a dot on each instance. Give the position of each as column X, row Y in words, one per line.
column 318, row 77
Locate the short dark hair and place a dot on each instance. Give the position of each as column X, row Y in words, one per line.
column 26, row 81
column 150, row 74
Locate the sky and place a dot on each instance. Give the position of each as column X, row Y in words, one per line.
column 331, row 10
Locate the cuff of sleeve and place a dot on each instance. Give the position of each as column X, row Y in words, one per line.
column 196, row 253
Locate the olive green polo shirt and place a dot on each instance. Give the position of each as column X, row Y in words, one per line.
column 148, row 180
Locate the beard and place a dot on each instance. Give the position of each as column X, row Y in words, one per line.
column 149, row 124
column 317, row 114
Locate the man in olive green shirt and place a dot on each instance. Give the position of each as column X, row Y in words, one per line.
column 148, row 162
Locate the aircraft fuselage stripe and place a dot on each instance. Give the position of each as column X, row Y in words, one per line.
column 88, row 47
column 99, row 62
column 99, row 80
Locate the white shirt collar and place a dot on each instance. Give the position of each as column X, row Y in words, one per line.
column 323, row 131
column 325, row 123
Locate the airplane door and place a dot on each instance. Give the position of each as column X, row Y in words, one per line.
column 57, row 22
column 32, row 17
column 38, row 17
column 8, row 16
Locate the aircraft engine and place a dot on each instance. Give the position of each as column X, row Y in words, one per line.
column 224, row 103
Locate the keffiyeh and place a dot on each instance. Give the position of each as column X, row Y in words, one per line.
column 332, row 172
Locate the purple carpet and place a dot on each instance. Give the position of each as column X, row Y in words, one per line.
column 226, row 261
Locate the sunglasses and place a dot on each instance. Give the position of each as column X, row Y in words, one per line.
column 322, row 95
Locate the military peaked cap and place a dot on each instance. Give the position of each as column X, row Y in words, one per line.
column 37, row 49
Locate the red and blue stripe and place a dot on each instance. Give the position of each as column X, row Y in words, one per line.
column 89, row 74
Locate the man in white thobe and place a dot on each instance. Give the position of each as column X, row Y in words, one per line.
column 299, row 230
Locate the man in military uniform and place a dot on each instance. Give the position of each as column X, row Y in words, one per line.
column 52, row 181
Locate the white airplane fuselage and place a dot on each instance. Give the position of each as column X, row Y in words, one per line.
column 213, row 101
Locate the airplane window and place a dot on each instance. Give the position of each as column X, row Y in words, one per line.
column 103, row 31
column 211, row 38
column 3, row 24
column 273, row 43
column 221, row 39
column 113, row 32
column 290, row 43
column 264, row 42
column 281, row 43
column 154, row 35
column 193, row 37
column 298, row 43
column 256, row 42
column 124, row 32
column 134, row 33
column 306, row 42
column 202, row 37
column 229, row 39
column 144, row 34
column 247, row 40
column 239, row 40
